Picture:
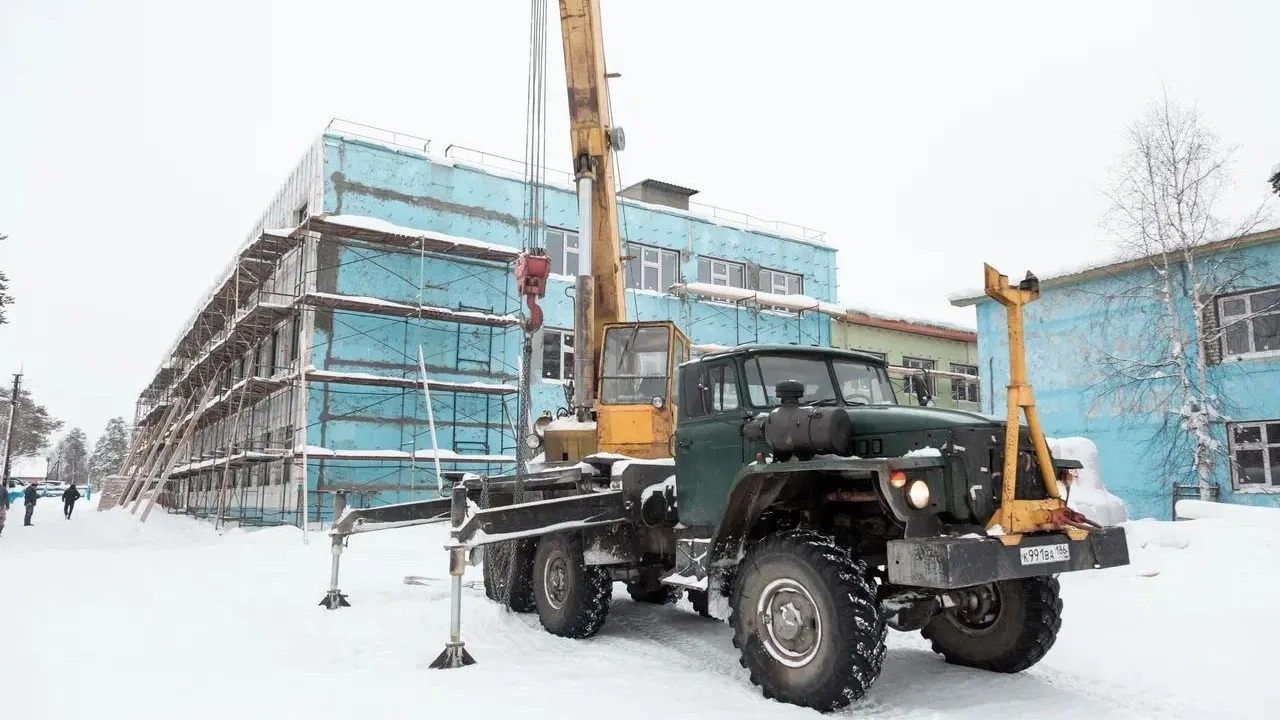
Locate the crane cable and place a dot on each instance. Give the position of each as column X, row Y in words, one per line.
column 500, row 559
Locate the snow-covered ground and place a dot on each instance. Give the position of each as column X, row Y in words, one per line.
column 105, row 617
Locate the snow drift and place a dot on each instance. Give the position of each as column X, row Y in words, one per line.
column 1088, row 494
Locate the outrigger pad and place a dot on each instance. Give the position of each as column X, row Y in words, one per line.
column 334, row 600
column 454, row 656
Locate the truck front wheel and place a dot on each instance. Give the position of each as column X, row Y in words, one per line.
column 806, row 621
column 1003, row 627
column 572, row 597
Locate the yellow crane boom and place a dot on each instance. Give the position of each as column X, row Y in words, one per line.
column 623, row 371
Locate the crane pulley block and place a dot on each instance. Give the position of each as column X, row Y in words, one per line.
column 532, row 270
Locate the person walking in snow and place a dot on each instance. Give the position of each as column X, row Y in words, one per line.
column 69, row 498
column 29, row 497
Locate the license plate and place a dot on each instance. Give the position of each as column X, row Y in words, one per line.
column 1041, row 554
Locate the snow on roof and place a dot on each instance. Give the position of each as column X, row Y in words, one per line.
column 487, row 163
column 912, row 319
column 790, row 302
column 29, row 467
column 1111, row 263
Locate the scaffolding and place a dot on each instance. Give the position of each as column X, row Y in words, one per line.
column 241, row 452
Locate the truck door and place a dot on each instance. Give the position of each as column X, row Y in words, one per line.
column 709, row 442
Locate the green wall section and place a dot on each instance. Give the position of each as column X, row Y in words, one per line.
column 896, row 345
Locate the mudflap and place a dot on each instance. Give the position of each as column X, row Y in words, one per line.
column 947, row 563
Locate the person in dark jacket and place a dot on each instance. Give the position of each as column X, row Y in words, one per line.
column 69, row 498
column 29, row 497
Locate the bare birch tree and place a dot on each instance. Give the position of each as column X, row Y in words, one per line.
column 1165, row 213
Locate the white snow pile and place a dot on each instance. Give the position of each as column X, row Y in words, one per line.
column 1243, row 515
column 1087, row 493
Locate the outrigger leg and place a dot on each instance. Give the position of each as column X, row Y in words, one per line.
column 455, row 655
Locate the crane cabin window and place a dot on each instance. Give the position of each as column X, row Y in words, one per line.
column 635, row 365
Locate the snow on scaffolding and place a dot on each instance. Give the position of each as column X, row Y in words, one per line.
column 433, row 241
column 773, row 300
column 365, row 303
column 355, row 378
column 445, row 456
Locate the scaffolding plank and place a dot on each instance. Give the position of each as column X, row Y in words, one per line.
column 380, row 232
column 350, row 378
column 377, row 306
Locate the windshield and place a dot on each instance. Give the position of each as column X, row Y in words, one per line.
column 634, row 365
column 765, row 372
column 864, row 384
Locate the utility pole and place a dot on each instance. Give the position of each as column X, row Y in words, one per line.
column 8, row 439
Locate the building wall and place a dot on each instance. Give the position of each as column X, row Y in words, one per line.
column 1069, row 333
column 411, row 190
column 896, row 345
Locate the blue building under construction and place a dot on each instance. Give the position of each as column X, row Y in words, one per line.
column 380, row 262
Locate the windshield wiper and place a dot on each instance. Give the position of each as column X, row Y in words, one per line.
column 824, row 402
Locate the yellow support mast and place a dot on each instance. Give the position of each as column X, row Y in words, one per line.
column 1017, row 517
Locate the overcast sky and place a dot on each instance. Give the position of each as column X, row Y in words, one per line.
column 139, row 141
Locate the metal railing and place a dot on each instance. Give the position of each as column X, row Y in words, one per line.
column 382, row 136
column 562, row 177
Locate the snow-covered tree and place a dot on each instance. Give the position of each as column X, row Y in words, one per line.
column 110, row 450
column 5, row 297
column 70, row 462
column 1165, row 215
column 34, row 423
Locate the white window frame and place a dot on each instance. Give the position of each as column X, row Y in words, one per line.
column 637, row 250
column 560, row 265
column 718, row 269
column 773, row 276
column 771, row 286
column 1225, row 321
column 931, row 366
column 1265, row 444
column 559, row 336
column 959, row 387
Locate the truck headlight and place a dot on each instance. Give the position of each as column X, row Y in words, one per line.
column 918, row 494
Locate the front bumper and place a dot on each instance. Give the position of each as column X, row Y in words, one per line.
column 946, row 563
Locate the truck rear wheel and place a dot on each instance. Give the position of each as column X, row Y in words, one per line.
column 499, row 574
column 572, row 598
column 1005, row 626
column 806, row 621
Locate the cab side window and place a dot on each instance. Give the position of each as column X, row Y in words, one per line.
column 723, row 384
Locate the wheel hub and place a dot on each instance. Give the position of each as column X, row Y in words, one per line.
column 790, row 624
column 978, row 608
column 556, row 581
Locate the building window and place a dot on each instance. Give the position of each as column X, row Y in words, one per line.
column 1255, row 454
column 1250, row 323
column 721, row 272
column 300, row 215
column 562, row 248
column 965, row 390
column 557, row 354
column 919, row 364
column 651, row 268
column 781, row 283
